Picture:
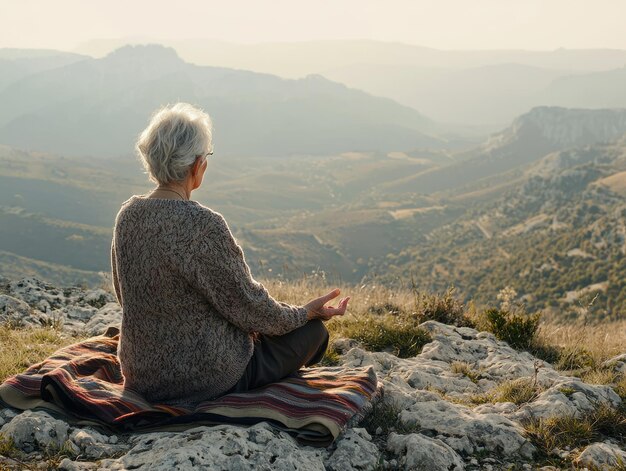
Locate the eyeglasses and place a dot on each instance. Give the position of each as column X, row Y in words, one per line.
column 206, row 155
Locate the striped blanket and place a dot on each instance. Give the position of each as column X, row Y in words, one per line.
column 83, row 384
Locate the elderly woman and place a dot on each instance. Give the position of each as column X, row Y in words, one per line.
column 196, row 324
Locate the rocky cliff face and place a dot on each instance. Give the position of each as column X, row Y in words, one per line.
column 432, row 420
column 566, row 127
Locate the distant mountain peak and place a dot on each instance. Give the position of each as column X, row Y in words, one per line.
column 568, row 127
column 145, row 53
column 316, row 77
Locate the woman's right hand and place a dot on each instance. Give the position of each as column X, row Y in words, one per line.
column 318, row 310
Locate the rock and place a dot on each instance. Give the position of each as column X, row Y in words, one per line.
column 68, row 465
column 73, row 318
column 495, row 359
column 463, row 429
column 219, row 447
column 504, row 408
column 419, row 452
column 108, row 315
column 18, row 313
column 94, row 445
column 569, row 396
column 342, row 345
column 38, row 294
column 7, row 415
column 602, row 456
column 79, row 313
column 493, row 362
column 617, row 364
column 96, row 298
column 355, row 451
column 33, row 302
column 46, row 297
column 36, row 430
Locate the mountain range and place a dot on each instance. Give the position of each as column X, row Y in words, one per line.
column 479, row 89
column 97, row 107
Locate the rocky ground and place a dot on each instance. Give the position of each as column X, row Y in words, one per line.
column 441, row 409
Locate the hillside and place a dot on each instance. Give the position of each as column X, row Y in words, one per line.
column 486, row 95
column 592, row 90
column 106, row 102
column 556, row 236
column 529, row 138
column 16, row 64
column 291, row 215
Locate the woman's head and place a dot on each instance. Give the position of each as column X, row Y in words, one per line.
column 175, row 138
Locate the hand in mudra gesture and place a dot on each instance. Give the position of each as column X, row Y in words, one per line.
column 318, row 310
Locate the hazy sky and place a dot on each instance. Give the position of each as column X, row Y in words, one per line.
column 445, row 24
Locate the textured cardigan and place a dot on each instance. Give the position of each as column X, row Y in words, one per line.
column 189, row 302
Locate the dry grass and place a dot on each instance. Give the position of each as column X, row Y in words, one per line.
column 466, row 369
column 518, row 391
column 584, row 346
column 599, row 376
column 577, row 431
column 21, row 348
column 362, row 297
column 379, row 318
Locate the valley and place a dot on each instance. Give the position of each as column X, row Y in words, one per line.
column 537, row 206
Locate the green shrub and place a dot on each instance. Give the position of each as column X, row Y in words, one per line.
column 518, row 330
column 443, row 308
column 398, row 335
column 386, row 416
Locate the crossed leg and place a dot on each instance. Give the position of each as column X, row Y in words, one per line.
column 278, row 356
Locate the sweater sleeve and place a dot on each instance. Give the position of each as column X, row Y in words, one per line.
column 218, row 269
column 114, row 279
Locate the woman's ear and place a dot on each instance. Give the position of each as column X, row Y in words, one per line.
column 195, row 169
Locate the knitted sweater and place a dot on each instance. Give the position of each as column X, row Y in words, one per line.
column 188, row 299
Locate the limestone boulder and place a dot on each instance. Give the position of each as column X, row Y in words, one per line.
column 355, row 451
column 217, row 448
column 602, row 456
column 36, row 430
column 416, row 451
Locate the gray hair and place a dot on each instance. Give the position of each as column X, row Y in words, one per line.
column 176, row 136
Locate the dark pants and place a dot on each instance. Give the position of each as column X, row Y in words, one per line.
column 278, row 356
